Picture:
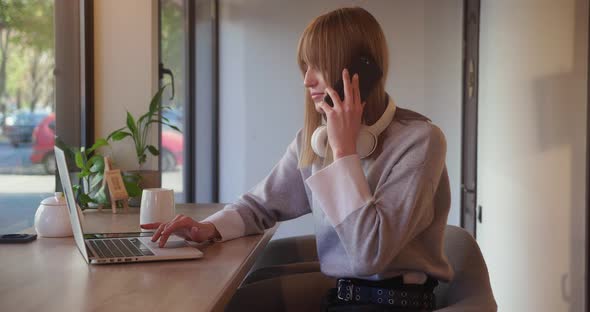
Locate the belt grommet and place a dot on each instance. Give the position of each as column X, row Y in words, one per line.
column 390, row 301
column 379, row 300
column 358, row 298
column 380, row 292
column 391, row 292
column 404, row 302
column 404, row 294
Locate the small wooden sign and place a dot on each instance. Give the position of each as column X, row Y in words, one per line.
column 117, row 189
column 115, row 186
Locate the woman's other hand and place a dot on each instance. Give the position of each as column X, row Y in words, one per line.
column 184, row 227
column 344, row 119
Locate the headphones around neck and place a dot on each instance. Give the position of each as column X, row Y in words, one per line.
column 367, row 139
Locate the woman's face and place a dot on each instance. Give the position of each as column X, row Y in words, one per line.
column 314, row 82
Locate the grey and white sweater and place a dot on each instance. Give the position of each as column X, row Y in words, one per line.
column 374, row 218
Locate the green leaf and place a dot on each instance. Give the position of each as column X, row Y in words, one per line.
column 120, row 135
column 98, row 165
column 79, row 160
column 174, row 127
column 114, row 132
column 131, row 123
column 94, row 159
column 155, row 106
column 156, row 100
column 131, row 178
column 99, row 143
column 95, row 180
column 153, row 150
column 84, row 199
column 84, row 173
column 132, row 188
column 101, row 197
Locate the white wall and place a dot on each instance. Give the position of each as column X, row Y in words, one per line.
column 261, row 88
column 532, row 152
column 125, row 69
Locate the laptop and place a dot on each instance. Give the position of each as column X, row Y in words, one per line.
column 105, row 248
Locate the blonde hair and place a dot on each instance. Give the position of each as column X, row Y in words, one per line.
column 329, row 44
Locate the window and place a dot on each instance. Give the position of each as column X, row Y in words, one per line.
column 173, row 62
column 188, row 50
column 40, row 48
column 27, row 106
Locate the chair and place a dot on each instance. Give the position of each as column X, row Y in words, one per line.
column 285, row 256
column 286, row 277
column 470, row 289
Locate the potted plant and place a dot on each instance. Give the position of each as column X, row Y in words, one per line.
column 138, row 129
column 90, row 192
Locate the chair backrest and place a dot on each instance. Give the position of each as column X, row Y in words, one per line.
column 470, row 289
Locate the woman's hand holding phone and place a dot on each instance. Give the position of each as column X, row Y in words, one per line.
column 184, row 227
column 344, row 119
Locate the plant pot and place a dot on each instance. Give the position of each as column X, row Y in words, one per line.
column 148, row 179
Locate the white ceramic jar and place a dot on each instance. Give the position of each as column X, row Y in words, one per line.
column 52, row 218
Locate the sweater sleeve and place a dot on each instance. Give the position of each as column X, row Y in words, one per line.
column 373, row 228
column 278, row 197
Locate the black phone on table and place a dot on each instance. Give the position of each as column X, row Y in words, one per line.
column 17, row 238
column 369, row 74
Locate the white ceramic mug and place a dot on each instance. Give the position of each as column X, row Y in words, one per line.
column 157, row 205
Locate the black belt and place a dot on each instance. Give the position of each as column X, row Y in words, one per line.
column 391, row 293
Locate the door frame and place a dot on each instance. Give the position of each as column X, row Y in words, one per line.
column 588, row 168
column 468, row 197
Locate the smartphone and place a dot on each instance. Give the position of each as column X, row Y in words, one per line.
column 17, row 238
column 369, row 74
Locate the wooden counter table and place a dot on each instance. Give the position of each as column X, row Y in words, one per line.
column 50, row 274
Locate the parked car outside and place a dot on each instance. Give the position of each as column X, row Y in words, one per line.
column 171, row 153
column 19, row 127
column 44, row 140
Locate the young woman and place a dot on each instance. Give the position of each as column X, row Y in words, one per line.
column 373, row 176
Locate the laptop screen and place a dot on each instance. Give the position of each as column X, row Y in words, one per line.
column 73, row 209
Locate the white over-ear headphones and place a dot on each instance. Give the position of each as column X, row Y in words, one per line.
column 367, row 139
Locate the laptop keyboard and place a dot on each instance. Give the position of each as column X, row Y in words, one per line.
column 119, row 248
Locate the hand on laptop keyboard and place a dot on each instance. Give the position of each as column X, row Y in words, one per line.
column 184, row 227
column 173, row 242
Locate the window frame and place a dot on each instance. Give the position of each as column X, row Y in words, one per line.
column 74, row 67
column 74, row 60
column 201, row 117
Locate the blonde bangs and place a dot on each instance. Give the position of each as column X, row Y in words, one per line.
column 328, row 44
column 325, row 45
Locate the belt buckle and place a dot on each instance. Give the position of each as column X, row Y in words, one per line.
column 345, row 290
